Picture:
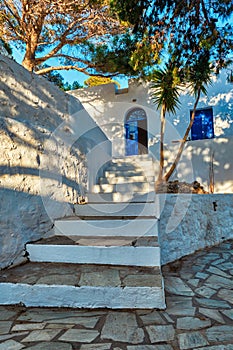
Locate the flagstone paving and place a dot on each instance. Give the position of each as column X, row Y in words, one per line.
column 199, row 314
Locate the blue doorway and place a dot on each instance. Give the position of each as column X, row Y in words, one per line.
column 136, row 139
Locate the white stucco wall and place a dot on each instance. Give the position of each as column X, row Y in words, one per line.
column 200, row 157
column 109, row 110
column 189, row 223
column 47, row 145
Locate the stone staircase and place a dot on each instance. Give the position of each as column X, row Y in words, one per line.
column 126, row 179
column 108, row 255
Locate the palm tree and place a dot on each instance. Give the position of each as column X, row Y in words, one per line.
column 165, row 94
column 198, row 77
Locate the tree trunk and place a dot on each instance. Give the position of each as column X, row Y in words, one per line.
column 162, row 131
column 181, row 148
column 29, row 60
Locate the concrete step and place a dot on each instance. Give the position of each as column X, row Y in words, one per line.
column 127, row 173
column 82, row 286
column 125, row 179
column 137, row 161
column 132, row 159
column 118, row 209
column 123, row 167
column 115, row 228
column 135, row 165
column 117, row 197
column 129, row 187
column 107, row 241
column 92, row 254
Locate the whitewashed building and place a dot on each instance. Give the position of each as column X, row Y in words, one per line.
column 131, row 122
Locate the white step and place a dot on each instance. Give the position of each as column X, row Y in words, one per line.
column 131, row 187
column 136, row 161
column 125, row 179
column 123, row 167
column 82, row 286
column 117, row 197
column 114, row 255
column 106, row 241
column 118, row 209
column 82, row 297
column 118, row 228
column 132, row 159
column 127, row 173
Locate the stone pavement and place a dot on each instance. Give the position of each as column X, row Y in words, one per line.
column 199, row 315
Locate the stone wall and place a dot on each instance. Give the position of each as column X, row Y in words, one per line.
column 43, row 162
column 192, row 222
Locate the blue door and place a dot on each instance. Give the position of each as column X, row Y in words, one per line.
column 131, row 129
column 136, row 138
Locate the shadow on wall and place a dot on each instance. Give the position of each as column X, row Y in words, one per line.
column 42, row 165
column 219, row 96
column 207, row 161
column 207, row 222
column 29, row 98
column 35, row 188
column 47, row 139
column 23, row 218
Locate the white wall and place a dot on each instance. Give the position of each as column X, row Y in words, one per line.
column 46, row 138
column 107, row 107
column 109, row 110
column 200, row 156
column 189, row 223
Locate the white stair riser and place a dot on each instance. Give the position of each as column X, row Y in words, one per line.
column 131, row 187
column 124, row 256
column 132, row 160
column 117, row 210
column 136, row 166
column 116, row 180
column 123, row 168
column 117, row 197
column 132, row 157
column 117, row 228
column 125, row 180
column 82, row 297
column 127, row 173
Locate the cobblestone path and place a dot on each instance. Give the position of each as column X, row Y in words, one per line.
column 199, row 315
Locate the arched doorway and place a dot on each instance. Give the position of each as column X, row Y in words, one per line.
column 136, row 137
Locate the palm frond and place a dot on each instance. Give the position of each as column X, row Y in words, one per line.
column 199, row 75
column 165, row 86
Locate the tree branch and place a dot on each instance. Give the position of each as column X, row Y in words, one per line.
column 13, row 10
column 70, row 67
column 12, row 26
column 204, row 11
column 75, row 59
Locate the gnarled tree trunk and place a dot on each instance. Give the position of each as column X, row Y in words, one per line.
column 181, row 148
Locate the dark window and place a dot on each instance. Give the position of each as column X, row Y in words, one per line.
column 203, row 126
